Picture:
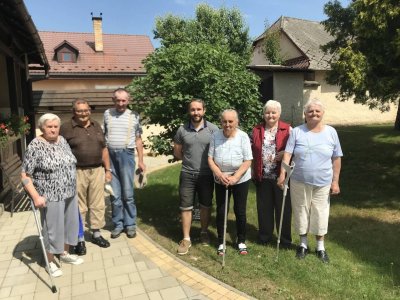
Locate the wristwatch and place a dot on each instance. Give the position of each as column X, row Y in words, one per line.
column 109, row 170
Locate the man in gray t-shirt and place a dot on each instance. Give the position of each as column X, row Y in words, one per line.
column 191, row 144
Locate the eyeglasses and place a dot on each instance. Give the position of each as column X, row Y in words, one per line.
column 82, row 111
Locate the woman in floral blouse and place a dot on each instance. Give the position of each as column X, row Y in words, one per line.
column 268, row 144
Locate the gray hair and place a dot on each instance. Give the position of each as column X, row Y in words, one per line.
column 79, row 101
column 272, row 104
column 229, row 110
column 48, row 117
column 313, row 102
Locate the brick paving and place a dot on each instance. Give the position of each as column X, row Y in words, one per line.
column 130, row 269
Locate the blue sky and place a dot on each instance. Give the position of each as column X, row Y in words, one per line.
column 138, row 17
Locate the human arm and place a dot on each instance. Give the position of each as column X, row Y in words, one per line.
column 106, row 164
column 285, row 159
column 178, row 154
column 223, row 178
column 139, row 149
column 235, row 177
column 27, row 182
column 336, row 166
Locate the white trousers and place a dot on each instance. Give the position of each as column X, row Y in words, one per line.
column 310, row 207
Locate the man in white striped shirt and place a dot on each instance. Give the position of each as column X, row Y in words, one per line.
column 123, row 132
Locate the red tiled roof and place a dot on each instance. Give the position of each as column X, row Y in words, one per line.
column 298, row 62
column 122, row 53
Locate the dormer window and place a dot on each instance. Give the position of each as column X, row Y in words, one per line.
column 66, row 53
column 66, row 57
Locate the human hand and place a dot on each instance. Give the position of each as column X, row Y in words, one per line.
column 40, row 202
column 335, row 189
column 142, row 166
column 108, row 177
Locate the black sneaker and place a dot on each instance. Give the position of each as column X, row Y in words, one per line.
column 116, row 233
column 323, row 256
column 79, row 249
column 301, row 252
column 101, row 242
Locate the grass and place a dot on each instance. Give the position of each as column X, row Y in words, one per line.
column 363, row 239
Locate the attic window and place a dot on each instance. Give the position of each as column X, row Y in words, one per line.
column 66, row 55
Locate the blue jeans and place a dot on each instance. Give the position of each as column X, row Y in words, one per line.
column 123, row 204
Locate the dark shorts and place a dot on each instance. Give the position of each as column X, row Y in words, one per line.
column 192, row 184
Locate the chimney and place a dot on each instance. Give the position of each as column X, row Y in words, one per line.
column 98, row 33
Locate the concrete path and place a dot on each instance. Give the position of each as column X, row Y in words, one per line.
column 129, row 269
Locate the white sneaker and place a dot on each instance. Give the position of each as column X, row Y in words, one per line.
column 243, row 249
column 54, row 270
column 71, row 259
column 220, row 250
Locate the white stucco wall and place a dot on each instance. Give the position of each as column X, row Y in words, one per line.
column 345, row 113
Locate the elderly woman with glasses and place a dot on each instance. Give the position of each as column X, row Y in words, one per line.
column 49, row 177
column 316, row 151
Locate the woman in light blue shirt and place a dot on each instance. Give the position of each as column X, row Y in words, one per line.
column 229, row 157
column 316, row 151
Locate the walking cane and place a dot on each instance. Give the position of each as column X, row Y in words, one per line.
column 289, row 171
column 225, row 223
column 39, row 228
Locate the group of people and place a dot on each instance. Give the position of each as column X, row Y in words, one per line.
column 227, row 159
column 65, row 169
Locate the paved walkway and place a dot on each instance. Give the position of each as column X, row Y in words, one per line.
column 129, row 269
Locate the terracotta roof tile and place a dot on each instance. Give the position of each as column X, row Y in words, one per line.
column 122, row 53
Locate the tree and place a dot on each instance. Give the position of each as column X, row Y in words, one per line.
column 205, row 57
column 177, row 73
column 215, row 26
column 366, row 51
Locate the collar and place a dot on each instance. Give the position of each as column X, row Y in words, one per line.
column 191, row 127
column 74, row 123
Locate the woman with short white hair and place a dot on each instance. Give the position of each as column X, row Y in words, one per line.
column 49, row 177
column 268, row 144
column 317, row 153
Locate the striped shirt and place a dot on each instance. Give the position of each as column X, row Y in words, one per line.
column 121, row 129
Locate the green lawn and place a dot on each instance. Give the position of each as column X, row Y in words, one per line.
column 363, row 239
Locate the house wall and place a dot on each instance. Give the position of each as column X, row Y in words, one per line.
column 80, row 84
column 288, row 51
column 4, row 94
column 344, row 113
column 288, row 88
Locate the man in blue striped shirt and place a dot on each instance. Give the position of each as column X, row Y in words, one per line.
column 123, row 132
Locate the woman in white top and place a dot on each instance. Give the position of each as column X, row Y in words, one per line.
column 229, row 158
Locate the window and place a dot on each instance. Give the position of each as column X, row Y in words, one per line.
column 66, row 57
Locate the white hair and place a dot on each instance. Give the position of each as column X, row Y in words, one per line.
column 272, row 104
column 230, row 110
column 313, row 102
column 48, row 117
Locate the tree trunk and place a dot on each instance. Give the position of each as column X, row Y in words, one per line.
column 397, row 122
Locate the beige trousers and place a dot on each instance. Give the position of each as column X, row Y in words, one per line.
column 90, row 186
column 310, row 207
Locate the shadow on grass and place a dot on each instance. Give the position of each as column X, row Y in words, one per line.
column 370, row 167
column 372, row 241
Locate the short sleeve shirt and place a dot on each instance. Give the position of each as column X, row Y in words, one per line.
column 87, row 143
column 313, row 153
column 52, row 168
column 230, row 153
column 195, row 146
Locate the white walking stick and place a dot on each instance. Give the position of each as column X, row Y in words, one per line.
column 289, row 171
column 225, row 223
column 39, row 228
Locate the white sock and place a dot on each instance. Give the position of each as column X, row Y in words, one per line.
column 187, row 239
column 303, row 241
column 320, row 245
